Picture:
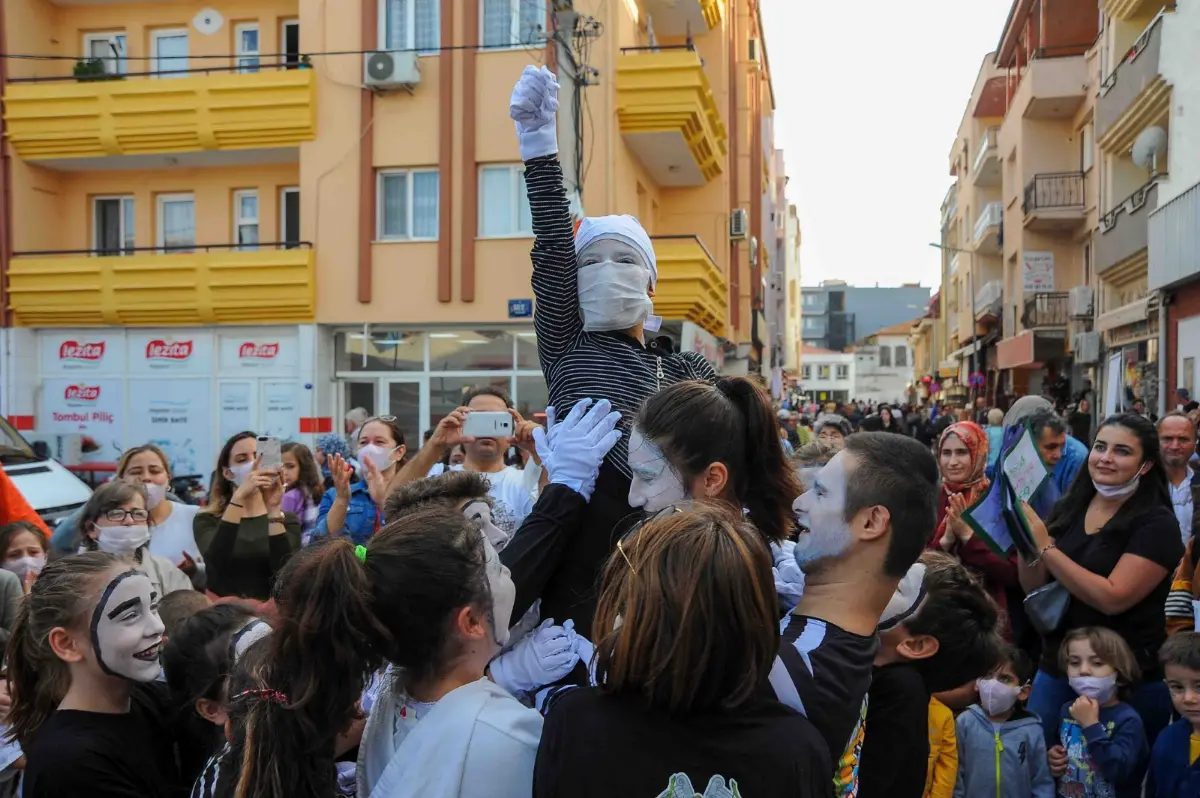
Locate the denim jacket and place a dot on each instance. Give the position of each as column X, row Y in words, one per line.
column 361, row 515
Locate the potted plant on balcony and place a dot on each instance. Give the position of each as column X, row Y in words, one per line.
column 87, row 69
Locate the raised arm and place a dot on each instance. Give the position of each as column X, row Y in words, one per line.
column 534, row 107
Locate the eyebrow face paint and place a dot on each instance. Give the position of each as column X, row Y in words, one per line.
column 126, row 630
column 655, row 485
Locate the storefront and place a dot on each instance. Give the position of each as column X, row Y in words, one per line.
column 186, row 390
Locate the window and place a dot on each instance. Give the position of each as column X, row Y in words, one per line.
column 503, row 202
column 112, row 225
column 408, row 205
column 109, row 48
column 822, row 372
column 513, row 23
column 806, row 372
column 169, row 53
column 1087, row 146
column 409, row 25
column 245, row 220
column 843, row 372
column 289, row 38
column 885, row 356
column 176, row 222
column 289, row 217
column 901, row 356
column 246, row 41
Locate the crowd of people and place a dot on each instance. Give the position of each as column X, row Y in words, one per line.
column 673, row 588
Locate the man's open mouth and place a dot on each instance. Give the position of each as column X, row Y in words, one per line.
column 149, row 654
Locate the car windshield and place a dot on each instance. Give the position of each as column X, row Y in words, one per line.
column 12, row 446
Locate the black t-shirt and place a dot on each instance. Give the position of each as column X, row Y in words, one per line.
column 79, row 754
column 598, row 746
column 824, row 672
column 895, row 752
column 1149, row 532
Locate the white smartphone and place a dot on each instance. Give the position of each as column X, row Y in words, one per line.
column 488, row 425
column 268, row 450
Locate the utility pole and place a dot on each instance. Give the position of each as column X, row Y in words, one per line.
column 570, row 78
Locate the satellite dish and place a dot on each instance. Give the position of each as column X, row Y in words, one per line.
column 208, row 21
column 1151, row 143
column 380, row 66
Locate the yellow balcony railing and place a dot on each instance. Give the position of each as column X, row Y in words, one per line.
column 690, row 283
column 211, row 285
column 156, row 115
column 668, row 116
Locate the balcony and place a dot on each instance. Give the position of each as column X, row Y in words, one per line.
column 988, row 227
column 211, row 285
column 684, row 17
column 1046, row 309
column 690, row 283
column 1128, row 9
column 1050, row 88
column 1055, row 202
column 1134, row 96
column 950, row 205
column 68, row 120
column 668, row 116
column 1175, row 240
column 1124, row 231
column 986, row 170
column 988, row 300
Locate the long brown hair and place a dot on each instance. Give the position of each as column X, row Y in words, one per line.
column 310, row 480
column 221, row 491
column 37, row 678
column 700, row 626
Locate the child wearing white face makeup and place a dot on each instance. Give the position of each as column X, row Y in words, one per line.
column 82, row 668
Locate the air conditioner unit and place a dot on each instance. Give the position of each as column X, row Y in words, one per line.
column 1081, row 301
column 739, row 223
column 1086, row 347
column 391, row 69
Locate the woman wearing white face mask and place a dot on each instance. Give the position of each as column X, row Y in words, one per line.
column 244, row 533
column 1112, row 541
column 171, row 523
column 115, row 520
column 594, row 294
column 354, row 508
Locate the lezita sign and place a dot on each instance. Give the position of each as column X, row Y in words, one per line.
column 93, row 408
column 81, row 353
column 167, row 353
column 252, row 352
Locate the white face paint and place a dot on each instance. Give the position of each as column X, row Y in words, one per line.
column 655, row 484
column 126, row 630
column 822, row 510
column 247, row 636
column 504, row 593
column 480, row 512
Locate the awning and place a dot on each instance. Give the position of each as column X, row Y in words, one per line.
column 1126, row 314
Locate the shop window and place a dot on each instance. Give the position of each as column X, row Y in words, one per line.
column 527, row 352
column 468, row 350
column 408, row 205
column 503, row 202
column 383, row 351
column 513, row 23
column 409, row 25
column 532, row 398
column 448, row 393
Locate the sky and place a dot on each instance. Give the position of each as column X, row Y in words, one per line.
column 869, row 96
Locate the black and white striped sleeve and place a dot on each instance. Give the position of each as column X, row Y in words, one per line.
column 556, row 313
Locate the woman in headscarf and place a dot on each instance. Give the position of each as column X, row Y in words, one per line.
column 962, row 458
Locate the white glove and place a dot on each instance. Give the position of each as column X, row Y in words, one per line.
column 571, row 452
column 789, row 579
column 533, row 107
column 544, row 656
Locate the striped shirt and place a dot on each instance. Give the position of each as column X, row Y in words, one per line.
column 578, row 364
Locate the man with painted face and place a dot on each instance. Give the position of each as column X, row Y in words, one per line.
column 864, row 521
column 594, row 293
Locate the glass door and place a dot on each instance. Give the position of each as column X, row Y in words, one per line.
column 169, row 51
column 407, row 400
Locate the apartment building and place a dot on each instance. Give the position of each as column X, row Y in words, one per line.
column 215, row 224
column 837, row 314
column 826, row 375
column 883, row 365
column 792, row 336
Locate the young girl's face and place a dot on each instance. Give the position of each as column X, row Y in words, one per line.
column 123, row 632
column 290, row 469
column 146, row 467
column 24, row 544
column 1082, row 661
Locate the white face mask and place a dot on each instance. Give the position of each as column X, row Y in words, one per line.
column 822, row 510
column 504, row 593
column 481, row 513
column 240, row 473
column 155, row 494
column 1118, row 491
column 655, row 485
column 126, row 630
column 378, row 456
column 1100, row 688
column 612, row 296
column 996, row 697
column 23, row 566
column 122, row 539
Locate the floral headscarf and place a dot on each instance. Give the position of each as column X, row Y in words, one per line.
column 976, row 483
column 332, row 444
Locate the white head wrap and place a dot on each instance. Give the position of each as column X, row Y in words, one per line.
column 625, row 229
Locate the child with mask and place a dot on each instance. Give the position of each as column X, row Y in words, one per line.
column 594, row 292
column 83, row 665
column 23, row 551
column 1102, row 749
column 115, row 520
column 1001, row 747
column 1174, row 768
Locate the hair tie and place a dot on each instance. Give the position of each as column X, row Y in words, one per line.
column 274, row 696
column 361, row 553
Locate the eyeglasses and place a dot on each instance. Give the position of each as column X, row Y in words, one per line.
column 118, row 516
column 384, row 419
column 637, row 527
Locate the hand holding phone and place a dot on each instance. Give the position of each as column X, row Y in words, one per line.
column 269, row 453
column 487, row 424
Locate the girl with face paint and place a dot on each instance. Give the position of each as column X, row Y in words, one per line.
column 83, row 664
column 243, row 532
column 428, row 596
column 115, row 520
column 172, row 523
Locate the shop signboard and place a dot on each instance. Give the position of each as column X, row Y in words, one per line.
column 244, row 354
column 175, row 415
column 94, row 408
column 82, row 352
column 280, row 409
column 179, row 353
